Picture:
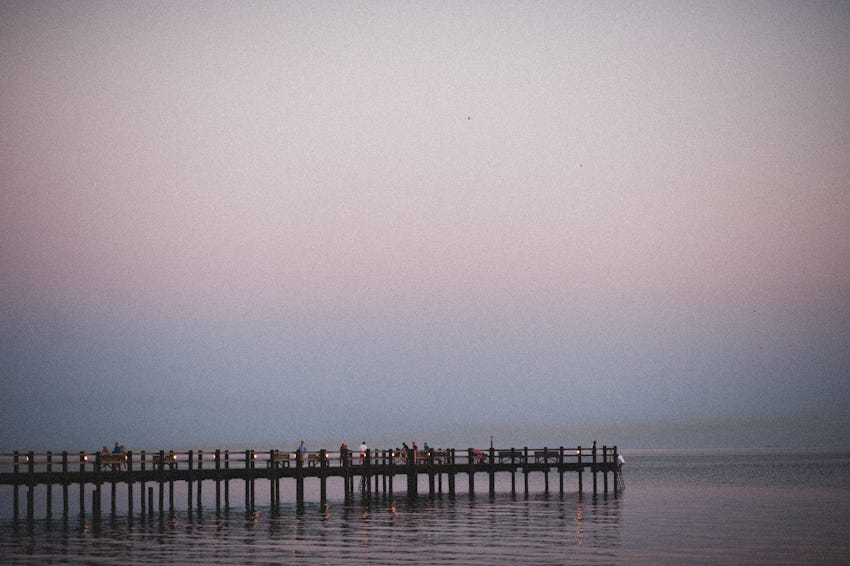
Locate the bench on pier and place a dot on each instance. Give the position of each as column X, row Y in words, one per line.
column 116, row 460
column 545, row 456
column 503, row 455
column 423, row 457
column 314, row 459
column 439, row 455
column 167, row 461
column 281, row 459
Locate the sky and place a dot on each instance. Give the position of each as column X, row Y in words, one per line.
column 250, row 223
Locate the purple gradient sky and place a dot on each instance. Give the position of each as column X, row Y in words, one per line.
column 259, row 222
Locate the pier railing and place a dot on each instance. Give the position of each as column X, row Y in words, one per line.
column 16, row 466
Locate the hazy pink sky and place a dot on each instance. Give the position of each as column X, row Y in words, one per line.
column 463, row 207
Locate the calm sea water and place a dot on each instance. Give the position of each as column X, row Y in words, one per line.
column 771, row 506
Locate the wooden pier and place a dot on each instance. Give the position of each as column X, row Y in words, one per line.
column 153, row 474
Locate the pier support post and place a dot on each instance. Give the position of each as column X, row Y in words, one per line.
column 129, row 464
column 252, row 475
column 200, row 477
column 82, row 485
column 299, row 479
column 345, row 461
column 161, row 483
column 525, row 468
column 97, row 482
column 580, row 470
column 323, row 476
column 142, row 490
column 391, row 472
column 226, row 480
column 217, row 480
column 513, row 471
column 189, row 481
column 412, row 480
column 64, row 484
column 15, row 490
column 561, row 470
column 492, row 469
column 616, row 471
column 470, row 460
column 605, row 468
column 450, row 456
column 49, row 484
column 593, row 467
column 430, row 456
column 30, row 485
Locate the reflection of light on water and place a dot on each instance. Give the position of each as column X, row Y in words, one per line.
column 579, row 526
column 253, row 518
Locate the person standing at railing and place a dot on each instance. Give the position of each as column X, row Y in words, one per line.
column 363, row 450
column 302, row 451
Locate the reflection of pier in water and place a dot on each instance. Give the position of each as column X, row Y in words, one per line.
column 373, row 471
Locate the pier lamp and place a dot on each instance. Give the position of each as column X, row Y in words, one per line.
column 578, row 452
column 86, row 458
